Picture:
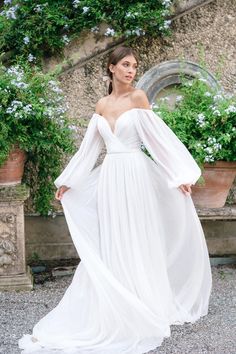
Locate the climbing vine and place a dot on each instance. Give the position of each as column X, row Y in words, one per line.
column 35, row 29
column 31, row 103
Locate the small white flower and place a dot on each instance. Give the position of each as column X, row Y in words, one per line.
column 201, row 116
column 216, row 112
column 164, row 98
column 137, row 31
column 7, row 2
column 154, row 105
column 218, row 97
column 165, row 25
column 209, row 150
column 207, row 94
column 166, row 3
column 95, row 29
column 19, row 84
column 201, row 120
column 27, row 109
column 38, row 8
column 217, row 146
column 54, row 86
column 199, row 145
column 165, row 12
column 26, row 40
column 179, row 98
column 230, row 109
column 66, row 39
column 202, row 79
column 11, row 12
column 209, row 158
column 130, row 14
column 189, row 83
column 76, row 3
column 31, row 57
column 211, row 140
column 85, row 9
column 15, row 70
column 13, row 107
column 109, row 32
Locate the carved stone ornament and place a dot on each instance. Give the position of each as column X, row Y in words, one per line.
column 8, row 249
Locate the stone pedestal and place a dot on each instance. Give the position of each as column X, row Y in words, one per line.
column 14, row 275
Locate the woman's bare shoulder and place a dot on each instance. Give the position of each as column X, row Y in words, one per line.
column 140, row 99
column 101, row 104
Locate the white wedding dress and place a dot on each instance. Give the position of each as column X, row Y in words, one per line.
column 144, row 261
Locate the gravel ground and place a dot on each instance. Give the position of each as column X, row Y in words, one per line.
column 214, row 333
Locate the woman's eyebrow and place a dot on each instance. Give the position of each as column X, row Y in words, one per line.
column 129, row 62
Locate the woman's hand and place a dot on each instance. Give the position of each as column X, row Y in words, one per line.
column 61, row 190
column 186, row 189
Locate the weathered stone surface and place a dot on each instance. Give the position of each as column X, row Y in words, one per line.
column 12, row 238
column 206, row 36
column 210, row 29
column 168, row 73
column 180, row 7
column 50, row 239
column 14, row 192
column 17, row 282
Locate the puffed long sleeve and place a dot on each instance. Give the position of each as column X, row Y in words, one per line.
column 166, row 149
column 81, row 164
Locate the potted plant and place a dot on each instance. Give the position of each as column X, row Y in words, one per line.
column 34, row 123
column 204, row 120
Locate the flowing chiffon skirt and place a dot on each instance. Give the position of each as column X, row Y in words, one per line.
column 144, row 261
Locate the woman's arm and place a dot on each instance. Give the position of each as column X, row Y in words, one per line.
column 81, row 164
column 165, row 147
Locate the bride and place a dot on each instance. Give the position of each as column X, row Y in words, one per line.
column 144, row 261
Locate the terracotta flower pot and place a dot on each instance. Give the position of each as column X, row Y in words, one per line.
column 218, row 177
column 11, row 171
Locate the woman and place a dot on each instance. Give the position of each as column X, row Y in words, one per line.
column 144, row 261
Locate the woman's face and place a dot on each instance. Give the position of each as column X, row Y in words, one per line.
column 125, row 70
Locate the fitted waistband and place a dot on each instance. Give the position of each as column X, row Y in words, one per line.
column 124, row 152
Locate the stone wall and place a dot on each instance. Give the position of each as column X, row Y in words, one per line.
column 209, row 29
column 209, row 32
column 206, row 34
column 49, row 238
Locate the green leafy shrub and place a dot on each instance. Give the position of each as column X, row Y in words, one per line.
column 204, row 120
column 33, row 115
column 42, row 28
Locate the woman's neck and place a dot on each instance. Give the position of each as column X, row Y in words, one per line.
column 120, row 89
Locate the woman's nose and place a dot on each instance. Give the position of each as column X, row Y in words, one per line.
column 132, row 70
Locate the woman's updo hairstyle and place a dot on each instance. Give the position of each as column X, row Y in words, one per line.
column 118, row 54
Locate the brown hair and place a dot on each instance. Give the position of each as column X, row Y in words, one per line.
column 118, row 54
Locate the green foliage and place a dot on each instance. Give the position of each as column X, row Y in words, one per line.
column 204, row 120
column 33, row 115
column 31, row 104
column 40, row 28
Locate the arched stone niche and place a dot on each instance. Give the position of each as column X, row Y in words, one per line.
column 163, row 79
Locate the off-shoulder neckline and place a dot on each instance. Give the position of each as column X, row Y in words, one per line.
column 128, row 110
column 120, row 116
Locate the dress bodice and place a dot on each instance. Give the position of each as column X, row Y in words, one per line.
column 124, row 138
column 132, row 128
